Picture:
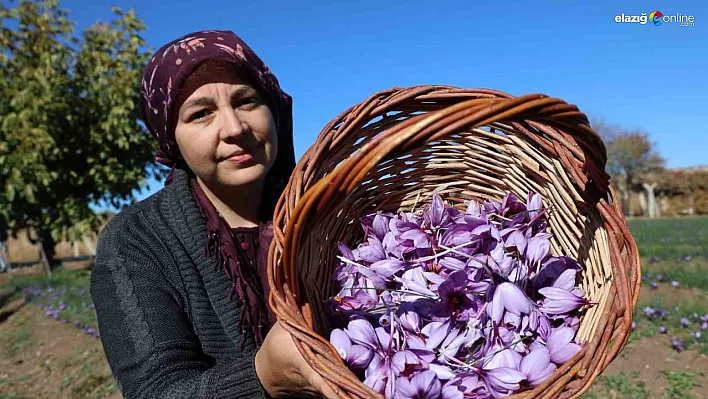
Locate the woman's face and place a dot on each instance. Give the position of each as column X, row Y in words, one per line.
column 226, row 133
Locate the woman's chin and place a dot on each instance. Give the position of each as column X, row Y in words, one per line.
column 242, row 177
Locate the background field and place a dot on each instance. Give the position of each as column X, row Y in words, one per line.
column 49, row 346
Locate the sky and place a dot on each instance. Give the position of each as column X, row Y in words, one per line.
column 331, row 55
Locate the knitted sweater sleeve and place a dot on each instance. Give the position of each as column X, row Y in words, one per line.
column 148, row 340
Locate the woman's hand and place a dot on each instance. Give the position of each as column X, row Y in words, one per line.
column 284, row 372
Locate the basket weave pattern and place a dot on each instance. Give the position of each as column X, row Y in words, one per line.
column 391, row 151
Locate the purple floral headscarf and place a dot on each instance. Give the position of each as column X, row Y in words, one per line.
column 163, row 78
column 172, row 64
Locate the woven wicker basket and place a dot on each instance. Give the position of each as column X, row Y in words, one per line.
column 398, row 146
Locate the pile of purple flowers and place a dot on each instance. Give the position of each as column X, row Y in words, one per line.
column 451, row 305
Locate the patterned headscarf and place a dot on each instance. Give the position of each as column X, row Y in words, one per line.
column 162, row 81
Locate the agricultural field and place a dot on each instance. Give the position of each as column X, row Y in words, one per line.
column 667, row 355
column 49, row 346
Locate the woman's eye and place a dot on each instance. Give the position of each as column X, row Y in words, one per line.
column 199, row 116
column 248, row 101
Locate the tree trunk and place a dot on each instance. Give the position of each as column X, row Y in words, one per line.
column 46, row 250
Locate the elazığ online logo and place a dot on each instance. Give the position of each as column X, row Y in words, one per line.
column 657, row 18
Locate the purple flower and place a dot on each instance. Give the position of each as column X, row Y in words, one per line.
column 502, row 381
column 537, row 366
column 559, row 301
column 696, row 335
column 388, row 267
column 560, row 345
column 454, row 296
column 662, row 330
column 467, row 383
column 704, row 326
column 356, row 356
column 675, row 284
column 654, row 285
column 423, row 385
column 435, row 214
column 510, row 297
column 634, row 325
column 538, row 249
column 678, row 345
column 685, row 322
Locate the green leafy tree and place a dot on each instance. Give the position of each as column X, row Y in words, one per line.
column 70, row 134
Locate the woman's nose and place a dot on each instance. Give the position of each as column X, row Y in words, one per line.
column 234, row 126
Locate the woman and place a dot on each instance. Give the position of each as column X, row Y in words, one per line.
column 179, row 283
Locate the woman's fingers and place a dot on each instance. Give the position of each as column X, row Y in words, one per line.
column 321, row 385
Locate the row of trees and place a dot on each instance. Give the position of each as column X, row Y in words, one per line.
column 69, row 123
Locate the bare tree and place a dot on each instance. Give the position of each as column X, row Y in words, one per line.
column 630, row 155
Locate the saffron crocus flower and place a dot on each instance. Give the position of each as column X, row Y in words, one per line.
column 649, row 311
column 559, row 301
column 355, row 356
column 685, row 322
column 372, row 252
column 675, row 284
column 560, row 345
column 678, row 345
column 502, row 381
column 704, row 326
column 537, row 366
column 508, row 296
column 554, row 268
column 662, row 330
column 654, row 285
column 465, row 385
column 423, row 385
column 435, row 214
column 454, row 296
column 538, row 249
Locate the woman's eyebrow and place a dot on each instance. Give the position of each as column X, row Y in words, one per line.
column 242, row 91
column 201, row 101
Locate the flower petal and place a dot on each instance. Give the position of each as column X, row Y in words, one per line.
column 535, row 363
column 559, row 301
column 565, row 353
column 388, row 267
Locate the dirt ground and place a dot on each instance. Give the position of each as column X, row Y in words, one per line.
column 42, row 358
column 650, row 355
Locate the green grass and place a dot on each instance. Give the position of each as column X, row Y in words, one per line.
column 14, row 341
column 674, row 248
column 622, row 385
column 680, row 384
column 671, row 238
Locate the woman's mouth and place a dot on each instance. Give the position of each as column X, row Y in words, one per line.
column 240, row 157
